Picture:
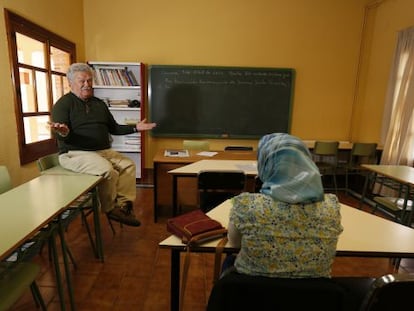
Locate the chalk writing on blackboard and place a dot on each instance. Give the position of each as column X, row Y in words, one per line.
column 225, row 102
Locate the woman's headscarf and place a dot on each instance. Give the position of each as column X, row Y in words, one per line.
column 287, row 170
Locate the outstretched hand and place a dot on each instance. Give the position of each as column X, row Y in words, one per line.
column 144, row 126
column 60, row 128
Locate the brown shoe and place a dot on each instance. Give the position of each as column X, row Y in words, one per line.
column 124, row 216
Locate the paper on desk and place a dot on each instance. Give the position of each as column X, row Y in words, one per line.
column 207, row 153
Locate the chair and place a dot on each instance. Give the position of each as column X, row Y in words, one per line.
column 15, row 279
column 389, row 292
column 236, row 291
column 361, row 153
column 325, row 156
column 215, row 187
column 201, row 145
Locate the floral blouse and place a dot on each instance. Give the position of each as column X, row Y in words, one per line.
column 286, row 240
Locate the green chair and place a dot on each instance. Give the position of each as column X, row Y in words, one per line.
column 325, row 156
column 15, row 279
column 361, row 153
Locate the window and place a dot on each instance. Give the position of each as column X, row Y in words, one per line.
column 39, row 60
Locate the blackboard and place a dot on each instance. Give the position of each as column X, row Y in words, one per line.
column 219, row 102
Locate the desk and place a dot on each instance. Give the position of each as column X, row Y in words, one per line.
column 163, row 180
column 364, row 235
column 26, row 209
column 402, row 174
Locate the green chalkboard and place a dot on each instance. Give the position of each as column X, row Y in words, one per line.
column 219, row 102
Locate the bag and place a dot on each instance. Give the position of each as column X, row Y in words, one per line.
column 195, row 227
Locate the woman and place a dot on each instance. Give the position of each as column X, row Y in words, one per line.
column 290, row 229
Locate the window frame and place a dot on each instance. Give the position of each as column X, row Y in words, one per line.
column 30, row 152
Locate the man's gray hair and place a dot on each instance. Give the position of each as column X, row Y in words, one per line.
column 77, row 67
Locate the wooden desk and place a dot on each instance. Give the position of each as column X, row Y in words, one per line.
column 402, row 174
column 364, row 235
column 163, row 181
column 26, row 209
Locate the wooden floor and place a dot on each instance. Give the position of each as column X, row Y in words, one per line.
column 136, row 273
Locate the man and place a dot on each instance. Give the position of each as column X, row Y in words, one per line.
column 83, row 124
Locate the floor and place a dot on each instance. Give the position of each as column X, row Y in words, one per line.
column 136, row 272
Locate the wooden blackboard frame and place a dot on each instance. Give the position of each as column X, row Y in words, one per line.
column 219, row 102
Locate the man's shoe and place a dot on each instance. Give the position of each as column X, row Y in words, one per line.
column 124, row 216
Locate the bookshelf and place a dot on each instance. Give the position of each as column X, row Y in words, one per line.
column 121, row 85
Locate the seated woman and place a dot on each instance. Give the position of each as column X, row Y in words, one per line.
column 290, row 229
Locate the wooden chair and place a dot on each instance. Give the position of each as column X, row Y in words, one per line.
column 15, row 279
column 214, row 187
column 325, row 156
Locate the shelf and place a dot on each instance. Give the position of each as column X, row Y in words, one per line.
column 117, row 87
column 123, row 82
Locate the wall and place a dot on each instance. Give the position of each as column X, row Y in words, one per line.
column 63, row 17
column 384, row 22
column 319, row 39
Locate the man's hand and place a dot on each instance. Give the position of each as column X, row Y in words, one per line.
column 144, row 126
column 60, row 128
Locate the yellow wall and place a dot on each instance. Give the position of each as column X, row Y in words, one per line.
column 319, row 39
column 339, row 94
column 384, row 23
column 63, row 17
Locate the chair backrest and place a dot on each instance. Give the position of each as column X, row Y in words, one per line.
column 201, row 145
column 15, row 280
column 363, row 153
column 242, row 292
column 325, row 154
column 217, row 186
column 5, row 182
column 390, row 292
column 48, row 161
column 326, row 148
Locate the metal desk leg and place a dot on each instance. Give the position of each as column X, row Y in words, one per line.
column 97, row 225
column 365, row 187
column 57, row 269
column 175, row 281
column 66, row 264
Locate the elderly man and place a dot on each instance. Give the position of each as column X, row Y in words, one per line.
column 83, row 124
